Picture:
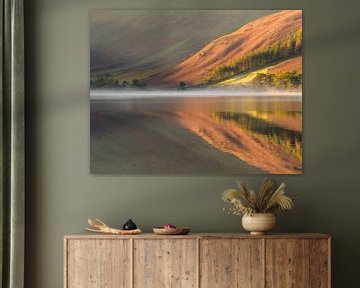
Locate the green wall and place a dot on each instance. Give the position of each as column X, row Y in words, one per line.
column 61, row 193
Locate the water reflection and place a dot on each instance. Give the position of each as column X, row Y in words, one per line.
column 274, row 133
column 265, row 132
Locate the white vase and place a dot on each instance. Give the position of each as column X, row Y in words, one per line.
column 259, row 223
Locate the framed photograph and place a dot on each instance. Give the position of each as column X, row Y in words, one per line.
column 196, row 91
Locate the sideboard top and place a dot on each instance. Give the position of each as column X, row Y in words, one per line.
column 87, row 235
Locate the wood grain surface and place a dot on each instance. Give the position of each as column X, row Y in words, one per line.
column 98, row 264
column 287, row 263
column 231, row 263
column 88, row 235
column 165, row 263
column 319, row 263
column 197, row 260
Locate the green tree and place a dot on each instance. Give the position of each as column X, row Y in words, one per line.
column 279, row 51
column 135, row 83
column 182, row 85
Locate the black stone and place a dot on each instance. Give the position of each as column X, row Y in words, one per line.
column 129, row 225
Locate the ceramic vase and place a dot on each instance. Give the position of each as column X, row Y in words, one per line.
column 259, row 223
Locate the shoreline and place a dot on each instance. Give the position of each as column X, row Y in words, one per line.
column 110, row 94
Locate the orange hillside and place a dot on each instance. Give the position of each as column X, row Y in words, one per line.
column 257, row 34
column 294, row 64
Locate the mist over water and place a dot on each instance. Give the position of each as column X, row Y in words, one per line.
column 111, row 94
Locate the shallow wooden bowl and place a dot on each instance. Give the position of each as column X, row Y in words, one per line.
column 171, row 231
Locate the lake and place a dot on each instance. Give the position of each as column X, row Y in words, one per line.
column 212, row 135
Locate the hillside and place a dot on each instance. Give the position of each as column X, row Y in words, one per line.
column 247, row 79
column 294, row 64
column 264, row 34
column 128, row 44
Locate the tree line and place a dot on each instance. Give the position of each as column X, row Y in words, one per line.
column 281, row 50
column 291, row 79
column 107, row 80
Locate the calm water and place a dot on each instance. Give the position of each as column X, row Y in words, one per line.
column 265, row 132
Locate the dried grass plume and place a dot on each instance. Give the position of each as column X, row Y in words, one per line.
column 267, row 200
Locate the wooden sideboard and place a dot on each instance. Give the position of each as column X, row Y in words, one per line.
column 197, row 260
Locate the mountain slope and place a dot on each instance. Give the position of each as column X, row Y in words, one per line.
column 129, row 42
column 247, row 79
column 256, row 35
column 293, row 64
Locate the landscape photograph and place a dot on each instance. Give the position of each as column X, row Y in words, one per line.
column 195, row 92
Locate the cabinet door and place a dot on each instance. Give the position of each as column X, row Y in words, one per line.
column 287, row 263
column 98, row 264
column 165, row 263
column 231, row 263
column 320, row 263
